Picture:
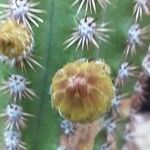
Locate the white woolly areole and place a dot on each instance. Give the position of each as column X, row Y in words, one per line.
column 110, row 126
column 67, row 127
column 17, row 84
column 19, row 8
column 14, row 112
column 134, row 34
column 12, row 139
column 124, row 71
column 87, row 27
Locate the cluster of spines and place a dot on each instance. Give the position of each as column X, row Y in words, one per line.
column 136, row 39
column 24, row 11
column 16, row 16
column 137, row 35
column 88, row 31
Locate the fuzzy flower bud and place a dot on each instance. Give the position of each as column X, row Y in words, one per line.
column 82, row 91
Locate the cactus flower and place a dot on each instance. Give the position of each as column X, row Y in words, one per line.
column 82, row 91
column 16, row 44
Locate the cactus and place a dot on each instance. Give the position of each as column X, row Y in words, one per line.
column 113, row 30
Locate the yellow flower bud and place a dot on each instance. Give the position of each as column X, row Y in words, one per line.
column 16, row 40
column 82, row 91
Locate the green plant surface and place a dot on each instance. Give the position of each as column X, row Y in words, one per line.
column 43, row 130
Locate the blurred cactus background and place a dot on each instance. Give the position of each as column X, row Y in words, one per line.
column 46, row 129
